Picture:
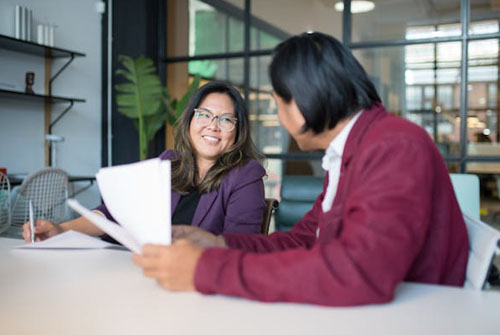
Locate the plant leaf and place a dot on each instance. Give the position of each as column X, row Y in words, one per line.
column 154, row 123
column 143, row 91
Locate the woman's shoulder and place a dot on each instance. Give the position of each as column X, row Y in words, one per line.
column 169, row 154
column 249, row 171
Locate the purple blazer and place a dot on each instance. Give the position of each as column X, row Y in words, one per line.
column 237, row 206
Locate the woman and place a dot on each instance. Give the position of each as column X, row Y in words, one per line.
column 216, row 178
column 387, row 212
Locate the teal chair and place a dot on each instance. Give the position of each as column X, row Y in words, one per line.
column 297, row 198
column 466, row 188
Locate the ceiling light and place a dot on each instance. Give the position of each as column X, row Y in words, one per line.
column 356, row 6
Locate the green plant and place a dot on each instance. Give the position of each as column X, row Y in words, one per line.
column 143, row 99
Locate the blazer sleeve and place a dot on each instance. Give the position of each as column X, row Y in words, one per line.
column 246, row 202
column 385, row 221
column 104, row 210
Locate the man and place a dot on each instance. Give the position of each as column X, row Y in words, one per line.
column 387, row 212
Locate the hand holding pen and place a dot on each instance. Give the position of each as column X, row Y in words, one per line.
column 39, row 230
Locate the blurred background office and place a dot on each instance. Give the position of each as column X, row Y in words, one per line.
column 434, row 62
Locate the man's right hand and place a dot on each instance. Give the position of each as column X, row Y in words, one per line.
column 43, row 230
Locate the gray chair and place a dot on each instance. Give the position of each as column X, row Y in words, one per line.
column 297, row 198
column 48, row 191
column 484, row 246
column 4, row 203
column 483, row 239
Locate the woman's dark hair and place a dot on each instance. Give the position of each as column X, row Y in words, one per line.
column 323, row 77
column 184, row 168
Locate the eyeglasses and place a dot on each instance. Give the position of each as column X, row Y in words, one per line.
column 204, row 118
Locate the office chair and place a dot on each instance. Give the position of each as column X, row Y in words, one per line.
column 484, row 246
column 483, row 239
column 272, row 205
column 466, row 187
column 298, row 194
column 48, row 191
column 4, row 203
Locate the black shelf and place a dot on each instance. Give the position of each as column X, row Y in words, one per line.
column 14, row 44
column 36, row 97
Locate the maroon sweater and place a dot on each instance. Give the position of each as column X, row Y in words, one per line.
column 394, row 218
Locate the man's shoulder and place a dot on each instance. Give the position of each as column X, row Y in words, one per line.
column 395, row 127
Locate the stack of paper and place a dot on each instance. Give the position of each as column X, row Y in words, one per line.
column 69, row 240
column 138, row 197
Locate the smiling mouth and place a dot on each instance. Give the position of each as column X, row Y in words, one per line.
column 211, row 139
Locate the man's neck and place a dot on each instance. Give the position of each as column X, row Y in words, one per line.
column 326, row 137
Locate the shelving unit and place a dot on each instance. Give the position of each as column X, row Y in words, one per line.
column 7, row 94
column 13, row 44
column 48, row 53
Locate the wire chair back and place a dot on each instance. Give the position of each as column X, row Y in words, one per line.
column 48, row 191
column 4, row 203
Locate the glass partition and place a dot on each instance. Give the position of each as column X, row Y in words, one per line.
column 390, row 20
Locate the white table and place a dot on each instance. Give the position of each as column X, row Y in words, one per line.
column 103, row 292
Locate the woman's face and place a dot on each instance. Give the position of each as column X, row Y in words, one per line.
column 293, row 121
column 210, row 141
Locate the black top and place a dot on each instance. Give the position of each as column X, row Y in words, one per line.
column 186, row 207
column 183, row 214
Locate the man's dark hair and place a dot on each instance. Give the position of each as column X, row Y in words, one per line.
column 323, row 77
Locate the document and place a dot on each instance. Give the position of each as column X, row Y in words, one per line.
column 138, row 197
column 68, row 240
column 112, row 229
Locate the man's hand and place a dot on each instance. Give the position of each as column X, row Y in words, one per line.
column 197, row 236
column 172, row 266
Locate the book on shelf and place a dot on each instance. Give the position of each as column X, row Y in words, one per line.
column 23, row 20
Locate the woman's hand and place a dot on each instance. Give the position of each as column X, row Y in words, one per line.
column 197, row 236
column 172, row 266
column 43, row 230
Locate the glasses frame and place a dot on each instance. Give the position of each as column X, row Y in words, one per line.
column 197, row 111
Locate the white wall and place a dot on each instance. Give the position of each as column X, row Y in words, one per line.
column 22, row 123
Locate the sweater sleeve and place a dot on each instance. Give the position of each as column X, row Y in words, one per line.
column 385, row 220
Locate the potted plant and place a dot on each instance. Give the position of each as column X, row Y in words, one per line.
column 143, row 98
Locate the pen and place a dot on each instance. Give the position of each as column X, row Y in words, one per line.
column 32, row 222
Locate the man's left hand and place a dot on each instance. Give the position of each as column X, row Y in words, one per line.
column 172, row 266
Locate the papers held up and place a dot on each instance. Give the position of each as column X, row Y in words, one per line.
column 138, row 196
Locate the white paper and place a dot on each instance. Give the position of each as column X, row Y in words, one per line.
column 68, row 240
column 112, row 229
column 138, row 197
